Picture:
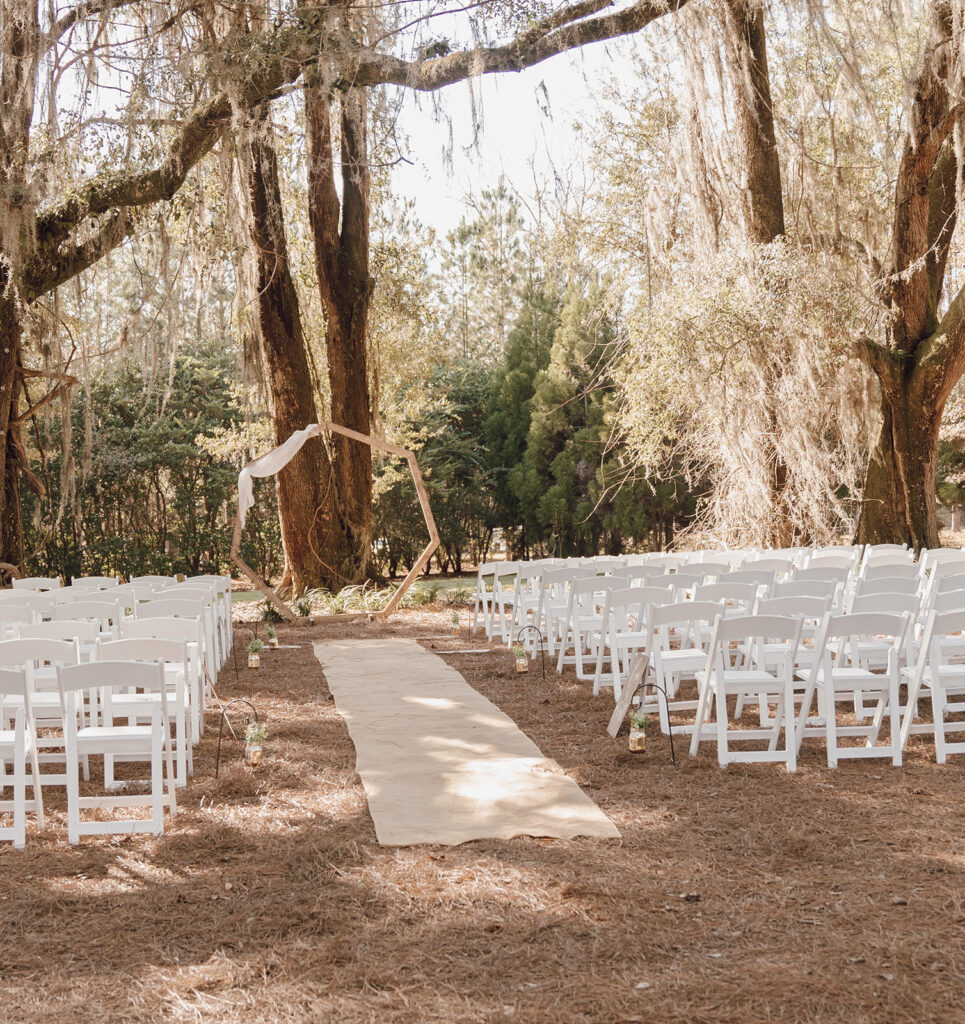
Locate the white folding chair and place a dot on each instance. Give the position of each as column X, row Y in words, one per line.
column 624, row 631
column 12, row 617
column 36, row 583
column 938, row 673
column 18, row 749
column 189, row 607
column 95, row 582
column 770, row 682
column 840, row 675
column 582, row 620
column 738, row 598
column 122, row 742
column 188, row 631
column 678, row 645
column 174, row 655
column 105, row 613
column 39, row 657
column 155, row 580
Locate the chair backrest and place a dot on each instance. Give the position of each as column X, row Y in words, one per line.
column 812, row 608
column 143, row 648
column 836, row 573
column 685, row 624
column 832, row 560
column 886, row 585
column 772, row 565
column 839, row 631
column 34, row 652
column 11, row 611
column 36, row 583
column 182, row 606
column 938, row 627
column 103, row 612
column 105, row 676
column 628, row 603
column 66, row 629
column 945, row 581
column 732, row 594
column 756, row 633
column 891, row 603
column 948, row 600
column 891, row 570
column 161, row 581
column 805, row 588
column 68, row 595
column 636, row 572
column 758, row 577
column 97, row 582
column 178, row 628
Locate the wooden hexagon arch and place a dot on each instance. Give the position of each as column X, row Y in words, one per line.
column 313, row 431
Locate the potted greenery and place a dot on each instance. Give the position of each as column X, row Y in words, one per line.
column 255, row 735
column 254, row 653
column 272, row 634
column 454, row 620
column 639, row 720
column 522, row 662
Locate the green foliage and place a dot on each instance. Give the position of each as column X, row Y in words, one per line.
column 152, row 494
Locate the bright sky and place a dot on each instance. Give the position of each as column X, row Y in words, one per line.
column 521, row 126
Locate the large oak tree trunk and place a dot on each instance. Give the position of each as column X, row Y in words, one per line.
column 899, row 503
column 340, row 231
column 303, row 485
column 11, row 524
column 924, row 354
column 763, row 204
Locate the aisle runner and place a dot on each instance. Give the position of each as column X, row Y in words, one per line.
column 439, row 762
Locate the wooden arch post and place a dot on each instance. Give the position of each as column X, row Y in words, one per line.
column 417, row 569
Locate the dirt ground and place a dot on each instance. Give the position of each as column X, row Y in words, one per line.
column 745, row 895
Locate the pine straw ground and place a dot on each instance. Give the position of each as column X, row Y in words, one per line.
column 745, row 895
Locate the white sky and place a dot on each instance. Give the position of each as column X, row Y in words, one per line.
column 521, row 128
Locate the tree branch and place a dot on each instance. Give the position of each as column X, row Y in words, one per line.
column 568, row 29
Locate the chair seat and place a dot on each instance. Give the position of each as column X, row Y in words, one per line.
column 853, row 675
column 115, row 739
column 745, row 681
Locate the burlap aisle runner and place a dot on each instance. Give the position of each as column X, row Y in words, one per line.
column 439, row 762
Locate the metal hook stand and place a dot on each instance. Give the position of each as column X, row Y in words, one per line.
column 666, row 704
column 224, row 712
column 542, row 648
column 253, row 630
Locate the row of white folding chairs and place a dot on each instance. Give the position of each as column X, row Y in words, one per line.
column 116, row 706
column 42, row 644
column 139, row 588
column 760, row 658
column 608, row 622
column 131, row 600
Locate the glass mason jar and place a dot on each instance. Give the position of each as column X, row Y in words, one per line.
column 638, row 738
column 252, row 754
column 522, row 663
column 254, row 661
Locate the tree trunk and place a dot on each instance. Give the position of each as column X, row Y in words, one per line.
column 747, row 64
column 899, row 504
column 11, row 523
column 746, row 45
column 340, row 231
column 303, row 484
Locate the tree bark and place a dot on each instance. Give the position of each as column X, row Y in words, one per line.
column 924, row 354
column 763, row 206
column 11, row 523
column 340, row 232
column 747, row 50
column 303, row 485
column 899, row 504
